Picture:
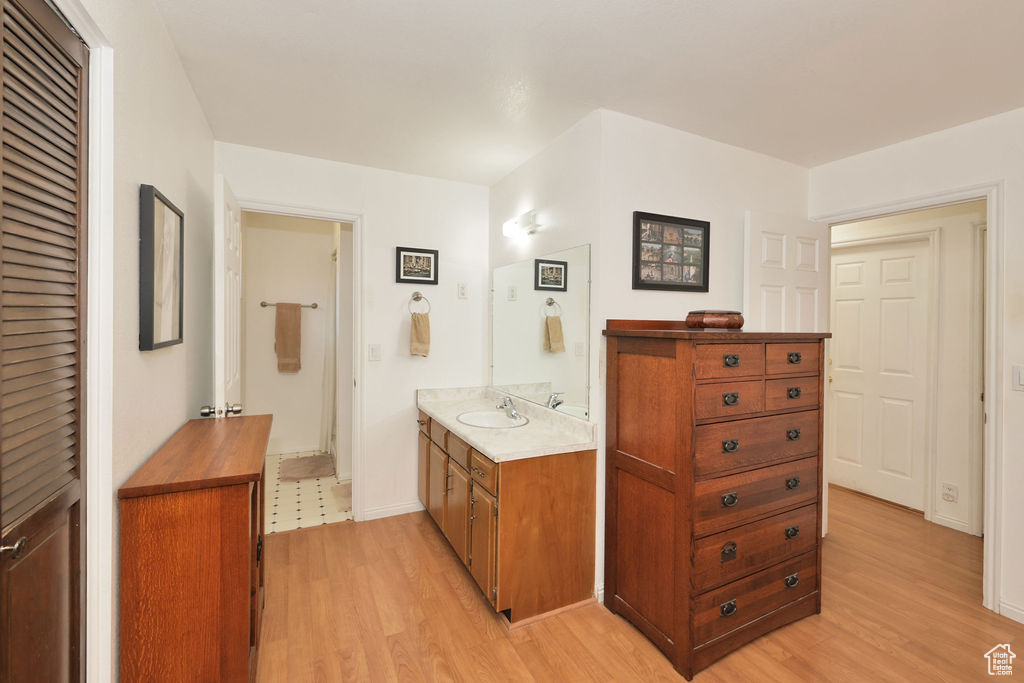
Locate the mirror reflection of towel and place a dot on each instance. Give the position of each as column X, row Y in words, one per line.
column 288, row 337
column 419, row 334
column 553, row 341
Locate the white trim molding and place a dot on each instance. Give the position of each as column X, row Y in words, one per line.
column 392, row 510
column 995, row 361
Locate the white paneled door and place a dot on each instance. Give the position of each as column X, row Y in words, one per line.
column 786, row 273
column 879, row 355
column 227, row 293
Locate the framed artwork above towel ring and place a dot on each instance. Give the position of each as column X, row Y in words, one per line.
column 417, row 266
column 552, row 276
column 161, row 270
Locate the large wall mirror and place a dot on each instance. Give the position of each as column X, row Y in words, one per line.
column 527, row 360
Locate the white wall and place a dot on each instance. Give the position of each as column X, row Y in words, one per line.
column 957, row 416
column 396, row 209
column 585, row 187
column 979, row 153
column 285, row 259
column 161, row 138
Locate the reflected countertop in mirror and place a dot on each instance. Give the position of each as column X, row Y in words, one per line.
column 534, row 302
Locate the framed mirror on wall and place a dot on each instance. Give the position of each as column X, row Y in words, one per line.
column 540, row 330
column 161, row 270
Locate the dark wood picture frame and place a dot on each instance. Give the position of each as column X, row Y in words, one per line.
column 538, row 284
column 148, row 339
column 403, row 269
column 670, row 253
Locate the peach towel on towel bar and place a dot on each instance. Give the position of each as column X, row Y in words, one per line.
column 553, row 341
column 419, row 334
column 288, row 337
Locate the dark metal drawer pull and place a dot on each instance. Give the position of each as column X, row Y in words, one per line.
column 730, row 446
column 730, row 499
column 731, row 360
column 421, row 422
column 793, row 392
column 792, row 531
column 728, row 552
column 794, row 358
column 792, row 580
column 792, row 483
column 792, row 434
column 730, row 399
column 729, row 608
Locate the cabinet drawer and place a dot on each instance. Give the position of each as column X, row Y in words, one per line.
column 727, row 501
column 424, row 423
column 728, row 555
column 458, row 450
column 484, row 471
column 722, row 399
column 727, row 608
column 728, row 360
column 784, row 358
column 743, row 443
column 439, row 435
column 799, row 392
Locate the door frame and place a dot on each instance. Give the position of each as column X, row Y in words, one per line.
column 931, row 237
column 356, row 219
column 995, row 357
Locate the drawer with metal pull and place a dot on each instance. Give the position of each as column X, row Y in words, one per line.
column 424, row 423
column 439, row 435
column 798, row 392
column 727, row 501
column 722, row 399
column 725, row 446
column 725, row 609
column 782, row 359
column 728, row 360
column 458, row 450
column 728, row 555
column 484, row 471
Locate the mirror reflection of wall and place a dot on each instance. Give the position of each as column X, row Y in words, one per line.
column 522, row 365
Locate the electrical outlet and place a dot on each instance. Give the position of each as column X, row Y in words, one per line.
column 1018, row 378
column 463, row 290
column 512, row 294
column 581, row 349
column 374, row 352
column 950, row 493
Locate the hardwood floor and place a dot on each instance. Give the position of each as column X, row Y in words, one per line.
column 387, row 600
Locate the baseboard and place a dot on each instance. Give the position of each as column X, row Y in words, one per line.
column 1011, row 611
column 391, row 510
column 951, row 522
column 600, row 594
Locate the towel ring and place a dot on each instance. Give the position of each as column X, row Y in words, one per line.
column 548, row 304
column 418, row 296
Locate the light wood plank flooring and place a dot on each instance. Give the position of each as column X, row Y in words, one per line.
column 388, row 600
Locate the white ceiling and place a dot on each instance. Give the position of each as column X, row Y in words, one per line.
column 469, row 89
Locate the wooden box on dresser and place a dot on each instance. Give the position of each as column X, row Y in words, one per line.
column 714, row 480
column 191, row 554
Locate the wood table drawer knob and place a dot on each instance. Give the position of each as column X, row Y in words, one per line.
column 731, row 360
column 792, row 434
column 794, row 358
column 792, row 483
column 728, row 552
column 730, row 399
column 731, row 445
column 730, row 499
column 793, row 392
column 728, row 608
column 792, row 580
column 792, row 531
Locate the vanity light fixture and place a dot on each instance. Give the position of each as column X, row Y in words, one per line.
column 522, row 225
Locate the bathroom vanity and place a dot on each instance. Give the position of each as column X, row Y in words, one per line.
column 714, row 481
column 516, row 503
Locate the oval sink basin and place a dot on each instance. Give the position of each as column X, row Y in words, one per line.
column 491, row 419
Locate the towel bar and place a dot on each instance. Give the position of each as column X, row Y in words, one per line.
column 548, row 304
column 264, row 304
column 418, row 296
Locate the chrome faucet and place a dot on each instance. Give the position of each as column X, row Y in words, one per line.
column 510, row 408
column 554, row 399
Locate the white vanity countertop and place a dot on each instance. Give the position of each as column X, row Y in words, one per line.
column 548, row 431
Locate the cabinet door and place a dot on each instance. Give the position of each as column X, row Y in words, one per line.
column 436, row 472
column 456, row 513
column 483, row 541
column 423, row 460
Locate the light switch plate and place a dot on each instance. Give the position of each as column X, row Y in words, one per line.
column 374, row 352
column 512, row 294
column 1018, row 378
column 581, row 349
column 463, row 289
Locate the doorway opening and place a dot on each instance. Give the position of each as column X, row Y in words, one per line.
column 296, row 362
column 907, row 361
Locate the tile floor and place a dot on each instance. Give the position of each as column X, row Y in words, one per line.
column 297, row 504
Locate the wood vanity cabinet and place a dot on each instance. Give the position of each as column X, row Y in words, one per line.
column 524, row 528
column 714, row 481
column 423, row 456
column 191, row 577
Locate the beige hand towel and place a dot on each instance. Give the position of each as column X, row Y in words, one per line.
column 288, row 337
column 419, row 334
column 553, row 341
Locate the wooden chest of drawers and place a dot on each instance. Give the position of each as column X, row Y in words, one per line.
column 713, row 498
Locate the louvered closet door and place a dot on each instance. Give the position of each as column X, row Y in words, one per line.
column 42, row 204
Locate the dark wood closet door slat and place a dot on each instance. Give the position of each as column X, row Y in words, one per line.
column 62, row 434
